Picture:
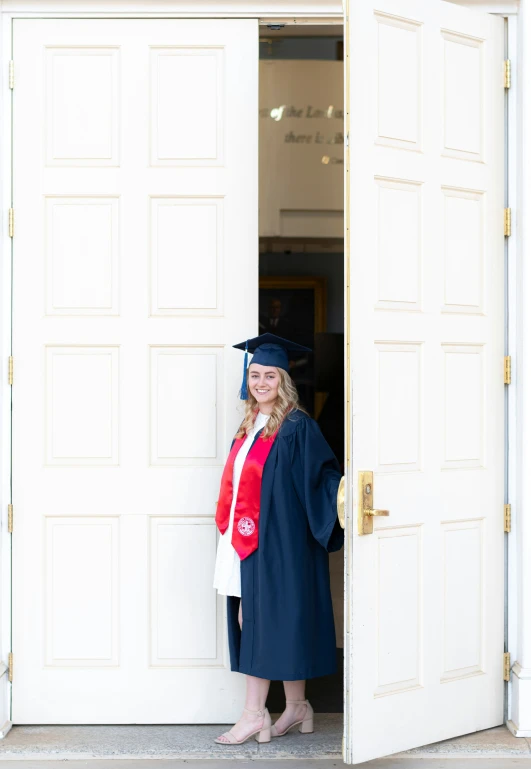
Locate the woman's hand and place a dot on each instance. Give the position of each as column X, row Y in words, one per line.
column 240, row 617
column 341, row 502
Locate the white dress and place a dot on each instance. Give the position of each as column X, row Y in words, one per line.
column 227, row 571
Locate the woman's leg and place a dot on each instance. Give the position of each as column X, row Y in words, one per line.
column 255, row 699
column 294, row 690
column 257, row 689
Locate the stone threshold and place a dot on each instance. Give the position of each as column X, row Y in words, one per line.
column 195, row 744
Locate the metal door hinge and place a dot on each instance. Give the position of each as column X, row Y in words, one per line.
column 507, row 370
column 11, row 222
column 506, row 666
column 10, row 370
column 10, row 518
column 11, row 74
column 507, row 73
column 10, row 666
column 507, row 518
column 507, row 225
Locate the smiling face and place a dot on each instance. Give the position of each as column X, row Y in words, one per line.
column 263, row 384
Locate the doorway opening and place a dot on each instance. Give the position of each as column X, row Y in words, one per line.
column 301, row 249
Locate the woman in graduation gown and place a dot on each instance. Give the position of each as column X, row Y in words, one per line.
column 281, row 492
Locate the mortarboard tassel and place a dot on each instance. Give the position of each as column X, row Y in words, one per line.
column 243, row 391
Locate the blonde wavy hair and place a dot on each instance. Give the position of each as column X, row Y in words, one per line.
column 286, row 402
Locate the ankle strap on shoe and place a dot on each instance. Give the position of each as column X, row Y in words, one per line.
column 297, row 702
column 256, row 712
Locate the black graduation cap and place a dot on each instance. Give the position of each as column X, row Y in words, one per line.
column 268, row 350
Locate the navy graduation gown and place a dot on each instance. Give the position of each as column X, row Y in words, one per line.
column 288, row 623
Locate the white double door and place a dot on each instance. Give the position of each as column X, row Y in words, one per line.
column 135, row 270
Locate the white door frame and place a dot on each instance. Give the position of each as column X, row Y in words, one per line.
column 519, row 284
column 519, row 336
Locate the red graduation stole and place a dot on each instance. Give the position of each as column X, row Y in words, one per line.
column 247, row 510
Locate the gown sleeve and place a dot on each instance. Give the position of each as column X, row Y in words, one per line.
column 317, row 475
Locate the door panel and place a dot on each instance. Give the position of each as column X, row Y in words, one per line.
column 425, row 589
column 135, row 269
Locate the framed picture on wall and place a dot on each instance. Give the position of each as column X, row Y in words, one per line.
column 294, row 307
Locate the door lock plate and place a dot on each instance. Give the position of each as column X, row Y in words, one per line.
column 366, row 512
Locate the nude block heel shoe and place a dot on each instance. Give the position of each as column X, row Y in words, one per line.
column 261, row 735
column 305, row 724
column 265, row 734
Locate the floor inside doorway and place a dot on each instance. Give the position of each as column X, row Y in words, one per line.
column 196, row 742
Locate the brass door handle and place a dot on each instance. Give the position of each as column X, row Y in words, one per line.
column 366, row 511
column 341, row 502
column 370, row 511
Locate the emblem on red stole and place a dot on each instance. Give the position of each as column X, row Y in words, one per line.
column 247, row 511
column 246, row 527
